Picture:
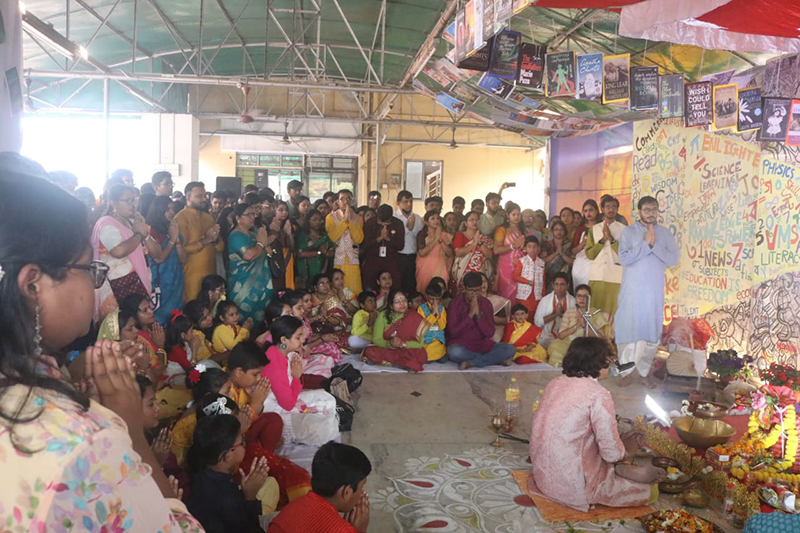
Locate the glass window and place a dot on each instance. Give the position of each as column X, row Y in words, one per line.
column 318, row 184
column 292, row 161
column 318, row 162
column 344, row 162
column 342, row 180
column 269, row 160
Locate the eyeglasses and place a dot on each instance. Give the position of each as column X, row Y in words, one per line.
column 400, row 301
column 251, row 215
column 232, row 448
column 129, row 201
column 649, row 210
column 97, row 269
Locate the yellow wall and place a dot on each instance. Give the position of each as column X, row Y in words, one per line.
column 214, row 162
column 470, row 172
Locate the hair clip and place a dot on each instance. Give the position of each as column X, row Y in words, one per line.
column 219, row 407
column 194, row 374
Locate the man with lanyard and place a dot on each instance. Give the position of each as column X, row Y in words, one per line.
column 552, row 307
column 408, row 255
column 346, row 229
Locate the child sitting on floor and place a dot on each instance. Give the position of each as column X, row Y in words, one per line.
column 529, row 275
column 181, row 345
column 363, row 320
column 160, row 441
column 203, row 323
column 338, row 475
column 248, row 387
column 435, row 314
column 228, row 333
column 216, row 500
column 525, row 337
column 309, row 416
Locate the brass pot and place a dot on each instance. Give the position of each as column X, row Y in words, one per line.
column 719, row 412
column 702, row 432
column 696, row 498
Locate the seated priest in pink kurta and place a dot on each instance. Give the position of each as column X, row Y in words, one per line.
column 575, row 444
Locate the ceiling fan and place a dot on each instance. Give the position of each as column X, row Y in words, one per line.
column 453, row 144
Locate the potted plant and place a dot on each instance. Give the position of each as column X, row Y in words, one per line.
column 729, row 365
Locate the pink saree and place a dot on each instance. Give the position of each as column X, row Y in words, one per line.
column 507, row 287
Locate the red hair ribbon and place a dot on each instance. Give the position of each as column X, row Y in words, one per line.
column 175, row 314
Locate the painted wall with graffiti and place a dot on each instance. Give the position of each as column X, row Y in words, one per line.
column 734, row 208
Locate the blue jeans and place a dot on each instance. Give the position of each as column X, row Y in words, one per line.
column 500, row 352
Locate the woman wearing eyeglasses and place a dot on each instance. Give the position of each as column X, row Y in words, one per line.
column 249, row 275
column 55, row 436
column 117, row 241
column 398, row 336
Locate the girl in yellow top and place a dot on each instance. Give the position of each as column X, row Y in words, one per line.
column 363, row 320
column 435, row 314
column 203, row 321
column 228, row 332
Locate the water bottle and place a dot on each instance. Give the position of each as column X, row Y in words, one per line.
column 512, row 402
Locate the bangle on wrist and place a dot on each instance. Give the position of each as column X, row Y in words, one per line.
column 259, row 244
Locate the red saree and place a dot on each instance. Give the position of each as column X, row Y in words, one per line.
column 410, row 329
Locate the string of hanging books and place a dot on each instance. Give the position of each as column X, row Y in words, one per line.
column 482, row 45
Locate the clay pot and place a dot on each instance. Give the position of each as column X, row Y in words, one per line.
column 697, row 396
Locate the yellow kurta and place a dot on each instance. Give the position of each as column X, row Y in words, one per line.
column 206, row 348
column 225, row 338
column 436, row 350
column 604, row 290
column 571, row 318
column 347, row 260
column 201, row 260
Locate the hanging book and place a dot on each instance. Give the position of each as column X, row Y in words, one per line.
column 480, row 38
column 462, row 37
column 451, row 104
column 670, row 96
column 590, row 76
column 479, row 60
column 644, row 88
column 777, row 112
column 750, row 117
column 519, row 5
column 616, row 78
column 560, row 69
column 698, row 104
column 495, row 86
column 503, row 9
column 793, row 135
column 726, row 105
column 504, row 59
column 531, row 65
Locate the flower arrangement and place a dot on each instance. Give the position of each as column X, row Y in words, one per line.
column 729, row 364
column 780, row 375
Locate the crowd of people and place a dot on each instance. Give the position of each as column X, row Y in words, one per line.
column 211, row 329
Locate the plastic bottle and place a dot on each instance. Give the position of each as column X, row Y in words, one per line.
column 512, row 400
column 729, row 501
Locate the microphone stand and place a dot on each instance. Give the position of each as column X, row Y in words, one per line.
column 588, row 317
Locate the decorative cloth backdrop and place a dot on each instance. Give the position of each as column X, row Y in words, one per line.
column 735, row 214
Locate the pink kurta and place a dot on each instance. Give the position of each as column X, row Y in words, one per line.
column 574, row 443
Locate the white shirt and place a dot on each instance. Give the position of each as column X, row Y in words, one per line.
column 410, row 246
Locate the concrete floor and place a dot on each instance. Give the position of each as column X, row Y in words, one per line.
column 403, row 416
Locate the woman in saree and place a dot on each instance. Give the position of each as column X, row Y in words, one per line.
column 328, row 316
column 581, row 265
column 117, row 241
column 557, row 253
column 347, row 299
column 433, row 251
column 281, row 248
column 384, row 288
column 573, row 325
column 249, row 275
column 398, row 336
column 472, row 252
column 509, row 240
column 314, row 249
column 578, row 457
column 167, row 256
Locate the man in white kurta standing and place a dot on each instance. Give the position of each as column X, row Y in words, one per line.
column 646, row 250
